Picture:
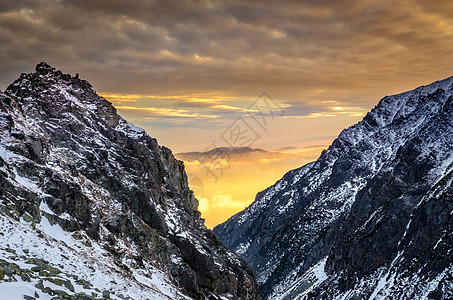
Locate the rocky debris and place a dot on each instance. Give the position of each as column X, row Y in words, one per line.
column 45, row 278
column 69, row 161
column 370, row 218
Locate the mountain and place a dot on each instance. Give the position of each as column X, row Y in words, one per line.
column 243, row 156
column 371, row 218
column 91, row 206
column 229, row 153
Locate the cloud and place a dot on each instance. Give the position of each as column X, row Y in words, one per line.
column 208, row 106
column 238, row 47
column 303, row 53
column 232, row 108
column 198, row 99
column 153, row 112
column 229, row 193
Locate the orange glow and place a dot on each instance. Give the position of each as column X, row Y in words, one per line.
column 242, row 178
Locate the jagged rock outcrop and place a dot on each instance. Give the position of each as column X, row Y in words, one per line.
column 371, row 218
column 75, row 173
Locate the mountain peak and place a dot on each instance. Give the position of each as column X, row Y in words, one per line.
column 364, row 220
column 80, row 173
column 45, row 80
column 50, row 91
column 44, row 68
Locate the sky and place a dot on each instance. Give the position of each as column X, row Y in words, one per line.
column 189, row 72
column 225, row 184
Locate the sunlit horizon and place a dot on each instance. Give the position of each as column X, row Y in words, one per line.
column 185, row 71
column 235, row 188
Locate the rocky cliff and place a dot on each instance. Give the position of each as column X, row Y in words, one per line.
column 370, row 219
column 92, row 202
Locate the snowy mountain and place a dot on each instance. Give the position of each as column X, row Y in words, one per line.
column 92, row 207
column 370, row 219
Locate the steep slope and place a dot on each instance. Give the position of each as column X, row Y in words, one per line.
column 85, row 192
column 371, row 217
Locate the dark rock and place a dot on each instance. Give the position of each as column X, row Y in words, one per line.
column 375, row 207
column 110, row 182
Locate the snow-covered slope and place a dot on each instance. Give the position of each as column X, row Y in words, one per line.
column 34, row 258
column 373, row 212
column 92, row 205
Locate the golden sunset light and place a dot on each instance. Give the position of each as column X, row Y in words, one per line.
column 226, row 149
column 187, row 70
column 242, row 174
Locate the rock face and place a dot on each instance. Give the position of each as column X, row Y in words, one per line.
column 370, row 219
column 76, row 176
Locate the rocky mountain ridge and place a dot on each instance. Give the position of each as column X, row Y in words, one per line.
column 76, row 177
column 370, row 219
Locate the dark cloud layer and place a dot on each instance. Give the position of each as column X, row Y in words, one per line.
column 300, row 51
